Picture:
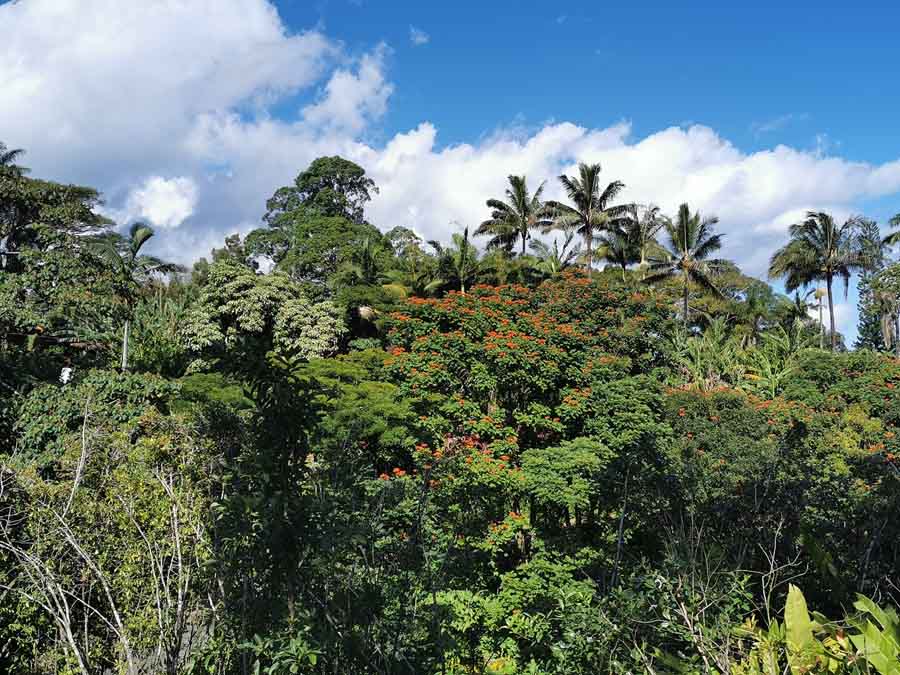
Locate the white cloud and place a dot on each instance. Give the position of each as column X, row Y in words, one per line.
column 111, row 88
column 352, row 100
column 165, row 202
column 418, row 36
column 756, row 195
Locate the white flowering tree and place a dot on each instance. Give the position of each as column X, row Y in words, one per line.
column 242, row 316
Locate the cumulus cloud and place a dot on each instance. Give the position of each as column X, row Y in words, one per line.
column 353, row 99
column 101, row 89
column 164, row 202
column 756, row 195
column 418, row 37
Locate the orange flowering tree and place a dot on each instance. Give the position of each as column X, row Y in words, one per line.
column 539, row 419
column 510, row 364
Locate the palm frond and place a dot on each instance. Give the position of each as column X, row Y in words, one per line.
column 138, row 235
column 611, row 192
column 659, row 277
column 710, row 245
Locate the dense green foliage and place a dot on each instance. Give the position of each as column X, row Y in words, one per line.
column 386, row 456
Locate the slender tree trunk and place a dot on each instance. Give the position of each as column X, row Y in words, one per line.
column 125, row 345
column 524, row 237
column 685, row 318
column 588, row 254
column 821, row 326
column 620, row 538
column 831, row 313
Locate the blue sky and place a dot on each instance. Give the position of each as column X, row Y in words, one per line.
column 758, row 72
column 190, row 114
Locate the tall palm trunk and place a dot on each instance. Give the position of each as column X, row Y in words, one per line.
column 588, row 254
column 685, row 318
column 831, row 313
column 125, row 345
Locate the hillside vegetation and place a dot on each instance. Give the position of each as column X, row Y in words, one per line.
column 570, row 440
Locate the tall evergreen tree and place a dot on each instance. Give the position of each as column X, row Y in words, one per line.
column 868, row 327
column 872, row 253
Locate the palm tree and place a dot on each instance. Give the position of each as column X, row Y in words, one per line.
column 364, row 266
column 888, row 309
column 757, row 307
column 8, row 157
column 458, row 262
column 796, row 309
column 819, row 250
column 691, row 241
column 893, row 237
column 885, row 291
column 644, row 224
column 591, row 212
column 552, row 261
column 417, row 275
column 498, row 269
column 617, row 247
column 131, row 270
column 515, row 218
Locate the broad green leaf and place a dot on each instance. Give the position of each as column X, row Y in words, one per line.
column 801, row 643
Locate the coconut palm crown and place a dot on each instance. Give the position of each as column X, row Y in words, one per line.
column 8, row 157
column 590, row 212
column 457, row 263
column 514, row 219
column 691, row 241
column 819, row 250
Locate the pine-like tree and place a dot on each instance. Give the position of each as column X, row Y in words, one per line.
column 872, row 250
column 868, row 329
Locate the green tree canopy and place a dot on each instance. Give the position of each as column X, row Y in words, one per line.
column 330, row 186
column 241, row 317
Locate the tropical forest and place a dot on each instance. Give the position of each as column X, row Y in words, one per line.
column 570, row 438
